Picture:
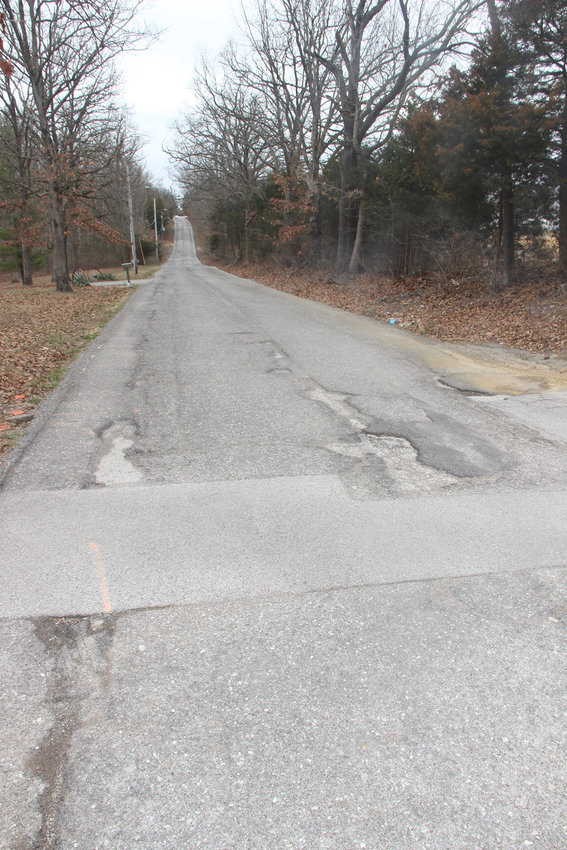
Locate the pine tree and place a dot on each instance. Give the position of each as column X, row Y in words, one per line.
column 539, row 28
column 494, row 139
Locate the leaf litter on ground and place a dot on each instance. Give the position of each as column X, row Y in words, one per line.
column 41, row 332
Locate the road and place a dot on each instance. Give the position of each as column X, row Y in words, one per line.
column 275, row 578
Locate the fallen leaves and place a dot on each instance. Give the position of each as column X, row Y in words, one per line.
column 41, row 331
column 530, row 318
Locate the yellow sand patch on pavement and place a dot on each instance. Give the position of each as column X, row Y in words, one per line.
column 483, row 369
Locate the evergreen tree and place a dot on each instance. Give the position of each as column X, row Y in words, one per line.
column 540, row 30
column 493, row 142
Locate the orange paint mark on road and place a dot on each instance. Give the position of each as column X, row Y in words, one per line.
column 107, row 607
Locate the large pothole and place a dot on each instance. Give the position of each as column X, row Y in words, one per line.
column 114, row 467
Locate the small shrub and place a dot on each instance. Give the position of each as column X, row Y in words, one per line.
column 80, row 279
column 147, row 249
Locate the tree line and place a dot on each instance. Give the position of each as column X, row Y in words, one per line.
column 69, row 161
column 407, row 135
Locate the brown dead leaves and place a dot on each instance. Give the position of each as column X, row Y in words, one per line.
column 42, row 330
column 523, row 317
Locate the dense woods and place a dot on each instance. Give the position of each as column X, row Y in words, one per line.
column 69, row 161
column 409, row 137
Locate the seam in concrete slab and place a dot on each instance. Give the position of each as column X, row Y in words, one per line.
column 283, row 595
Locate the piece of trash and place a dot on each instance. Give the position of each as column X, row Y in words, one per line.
column 18, row 412
column 393, row 321
column 19, row 397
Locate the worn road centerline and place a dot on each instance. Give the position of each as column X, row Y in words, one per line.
column 107, row 607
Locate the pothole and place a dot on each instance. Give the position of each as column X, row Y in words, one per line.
column 114, row 467
column 381, row 462
column 396, row 463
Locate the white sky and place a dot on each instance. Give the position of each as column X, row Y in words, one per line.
column 157, row 81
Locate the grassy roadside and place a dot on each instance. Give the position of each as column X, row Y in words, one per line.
column 41, row 332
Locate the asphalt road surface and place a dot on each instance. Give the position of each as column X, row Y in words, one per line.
column 271, row 581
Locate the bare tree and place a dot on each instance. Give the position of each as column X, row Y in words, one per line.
column 17, row 138
column 382, row 48
column 298, row 92
column 64, row 51
column 220, row 148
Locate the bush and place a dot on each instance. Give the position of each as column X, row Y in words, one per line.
column 148, row 249
column 80, row 279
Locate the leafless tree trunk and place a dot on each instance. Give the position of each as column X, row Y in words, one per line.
column 563, row 195
column 64, row 51
column 221, row 153
column 506, row 254
column 26, row 272
column 356, row 263
column 382, row 48
column 507, row 270
column 20, row 149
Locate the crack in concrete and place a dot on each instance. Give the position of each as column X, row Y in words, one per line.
column 339, row 403
column 463, row 389
column 78, row 649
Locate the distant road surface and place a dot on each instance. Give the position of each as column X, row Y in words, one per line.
column 270, row 581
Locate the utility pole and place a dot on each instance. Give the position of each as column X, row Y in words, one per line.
column 149, row 188
column 156, row 230
column 131, row 216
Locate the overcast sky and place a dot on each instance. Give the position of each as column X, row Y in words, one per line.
column 157, row 81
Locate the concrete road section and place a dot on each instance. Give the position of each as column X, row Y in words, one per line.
column 274, row 577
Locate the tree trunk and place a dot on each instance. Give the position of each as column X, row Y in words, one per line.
column 287, row 200
column 74, row 246
column 356, row 264
column 315, row 226
column 60, row 269
column 508, row 256
column 247, row 234
column 26, row 265
column 348, row 209
column 563, row 198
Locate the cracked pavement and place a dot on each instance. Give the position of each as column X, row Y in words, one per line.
column 271, row 582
